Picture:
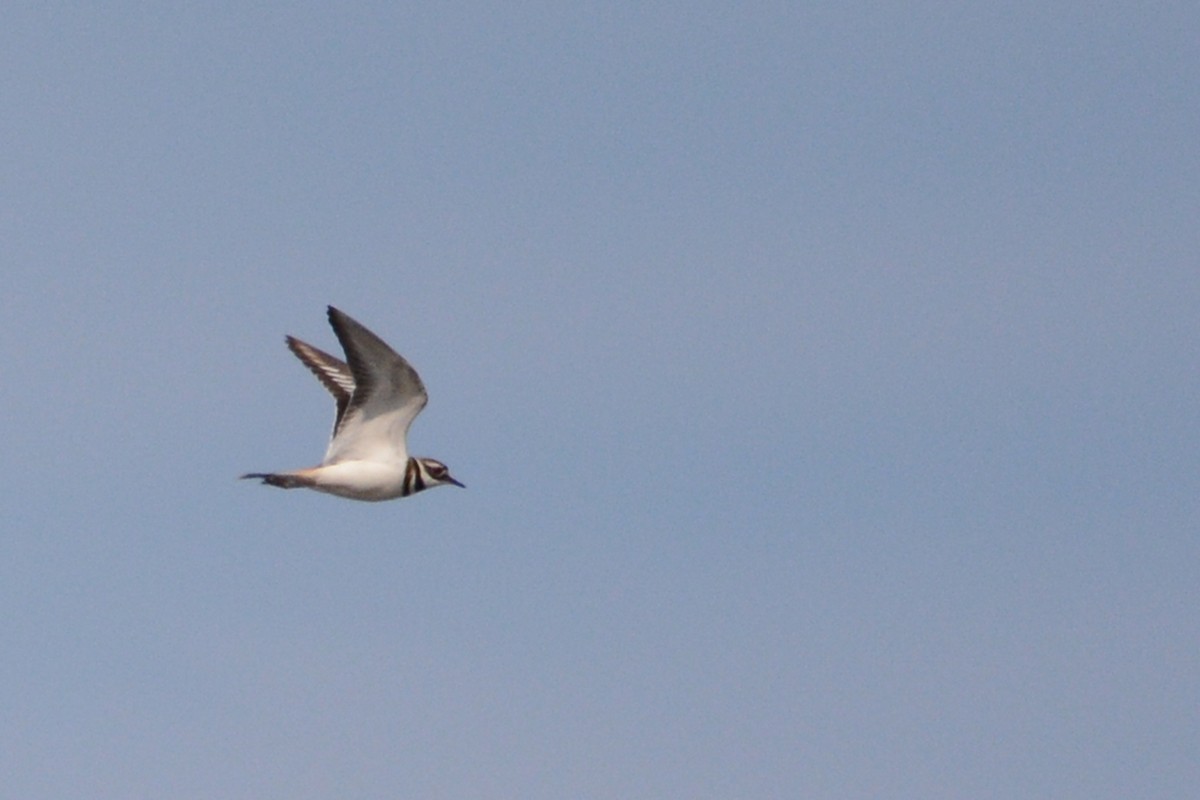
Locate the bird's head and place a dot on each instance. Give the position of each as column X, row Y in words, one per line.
column 436, row 473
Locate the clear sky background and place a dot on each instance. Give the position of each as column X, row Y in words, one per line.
column 824, row 380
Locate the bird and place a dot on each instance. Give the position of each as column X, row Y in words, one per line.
column 378, row 395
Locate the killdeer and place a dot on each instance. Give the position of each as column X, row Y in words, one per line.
column 378, row 395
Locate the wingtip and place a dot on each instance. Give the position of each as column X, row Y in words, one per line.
column 337, row 318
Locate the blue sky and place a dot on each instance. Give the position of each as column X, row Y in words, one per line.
column 824, row 381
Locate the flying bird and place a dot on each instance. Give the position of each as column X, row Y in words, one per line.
column 378, row 395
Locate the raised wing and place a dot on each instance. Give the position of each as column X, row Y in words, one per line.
column 386, row 397
column 333, row 373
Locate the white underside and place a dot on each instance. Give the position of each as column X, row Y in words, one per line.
column 360, row 480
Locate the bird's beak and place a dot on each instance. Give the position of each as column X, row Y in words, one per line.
column 455, row 482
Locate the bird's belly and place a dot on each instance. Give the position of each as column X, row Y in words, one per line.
column 361, row 480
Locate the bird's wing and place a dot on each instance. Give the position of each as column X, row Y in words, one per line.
column 387, row 395
column 333, row 373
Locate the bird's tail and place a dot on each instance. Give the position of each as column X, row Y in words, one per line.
column 284, row 480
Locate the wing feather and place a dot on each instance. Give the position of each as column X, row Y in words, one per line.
column 386, row 397
column 333, row 373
